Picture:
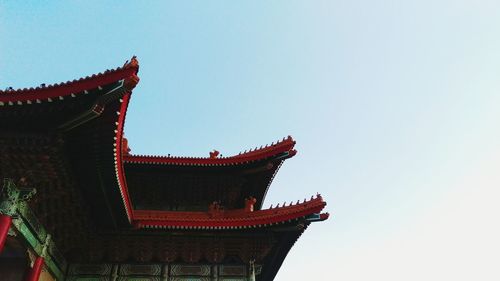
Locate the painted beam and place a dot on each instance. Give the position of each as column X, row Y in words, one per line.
column 15, row 213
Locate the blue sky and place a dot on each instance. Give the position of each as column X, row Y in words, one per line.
column 394, row 106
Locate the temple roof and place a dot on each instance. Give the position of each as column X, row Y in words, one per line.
column 67, row 141
column 89, row 123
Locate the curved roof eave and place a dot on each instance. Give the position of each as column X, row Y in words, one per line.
column 233, row 219
column 281, row 149
column 128, row 73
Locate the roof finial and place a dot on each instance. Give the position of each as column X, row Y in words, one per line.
column 214, row 154
column 133, row 62
column 125, row 147
column 249, row 203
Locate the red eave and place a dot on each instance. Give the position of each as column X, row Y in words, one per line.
column 284, row 147
column 127, row 73
column 232, row 219
column 118, row 156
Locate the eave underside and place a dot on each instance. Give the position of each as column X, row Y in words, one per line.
column 63, row 146
column 185, row 246
column 194, row 188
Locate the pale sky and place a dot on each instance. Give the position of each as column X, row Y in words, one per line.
column 394, row 106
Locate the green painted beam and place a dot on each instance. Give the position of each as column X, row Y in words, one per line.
column 13, row 203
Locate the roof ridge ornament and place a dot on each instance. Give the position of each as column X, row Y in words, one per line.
column 133, row 62
column 214, row 154
column 125, row 148
column 133, row 80
column 249, row 204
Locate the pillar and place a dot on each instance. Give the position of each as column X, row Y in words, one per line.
column 10, row 197
column 5, row 222
column 34, row 273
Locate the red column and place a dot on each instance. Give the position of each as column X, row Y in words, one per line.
column 34, row 273
column 5, row 222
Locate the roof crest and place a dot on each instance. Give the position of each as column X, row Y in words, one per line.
column 284, row 146
column 128, row 72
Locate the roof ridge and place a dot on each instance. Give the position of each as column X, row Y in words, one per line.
column 74, row 86
column 285, row 145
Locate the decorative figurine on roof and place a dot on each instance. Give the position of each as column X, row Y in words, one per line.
column 249, row 202
column 214, row 207
column 125, row 148
column 214, row 154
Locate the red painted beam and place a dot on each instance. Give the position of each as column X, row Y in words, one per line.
column 5, row 222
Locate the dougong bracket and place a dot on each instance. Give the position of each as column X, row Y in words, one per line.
column 11, row 196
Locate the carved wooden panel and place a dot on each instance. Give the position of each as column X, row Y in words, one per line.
column 190, row 279
column 138, row 278
column 89, row 269
column 87, row 278
column 199, row 270
column 232, row 270
column 140, row 269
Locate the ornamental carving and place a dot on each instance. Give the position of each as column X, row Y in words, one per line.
column 12, row 196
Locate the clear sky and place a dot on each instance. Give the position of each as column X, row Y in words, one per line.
column 394, row 106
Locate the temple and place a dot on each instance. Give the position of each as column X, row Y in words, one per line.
column 76, row 204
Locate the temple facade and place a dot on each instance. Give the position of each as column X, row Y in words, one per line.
column 77, row 205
